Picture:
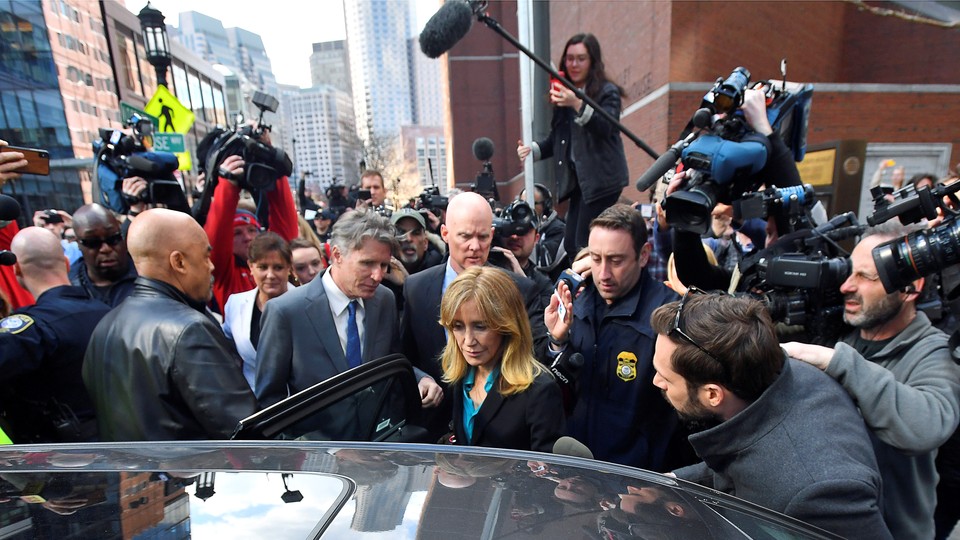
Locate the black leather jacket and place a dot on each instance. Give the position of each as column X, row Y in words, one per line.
column 159, row 367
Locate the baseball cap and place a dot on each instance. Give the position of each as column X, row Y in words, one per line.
column 245, row 217
column 408, row 213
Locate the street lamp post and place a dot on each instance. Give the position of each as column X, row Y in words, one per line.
column 155, row 41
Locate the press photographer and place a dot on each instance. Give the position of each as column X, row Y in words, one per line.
column 130, row 177
column 244, row 159
column 516, row 232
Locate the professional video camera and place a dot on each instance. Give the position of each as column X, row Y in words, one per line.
column 722, row 153
column 337, row 200
column 918, row 254
column 431, row 199
column 517, row 218
column 264, row 164
column 789, row 206
column 798, row 278
column 118, row 155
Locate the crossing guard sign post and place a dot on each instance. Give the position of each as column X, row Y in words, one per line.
column 173, row 118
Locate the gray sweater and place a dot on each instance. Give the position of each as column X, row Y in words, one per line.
column 909, row 396
column 800, row 449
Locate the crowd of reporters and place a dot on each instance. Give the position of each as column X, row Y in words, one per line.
column 188, row 328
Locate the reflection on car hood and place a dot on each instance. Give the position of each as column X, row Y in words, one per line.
column 354, row 490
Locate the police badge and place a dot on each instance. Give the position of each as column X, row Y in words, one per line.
column 627, row 366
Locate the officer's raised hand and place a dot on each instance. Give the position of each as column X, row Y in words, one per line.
column 558, row 316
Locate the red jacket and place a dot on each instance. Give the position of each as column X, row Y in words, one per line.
column 231, row 274
column 18, row 296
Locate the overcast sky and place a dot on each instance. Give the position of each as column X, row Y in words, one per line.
column 288, row 27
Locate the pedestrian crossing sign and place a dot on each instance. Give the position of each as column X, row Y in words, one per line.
column 173, row 116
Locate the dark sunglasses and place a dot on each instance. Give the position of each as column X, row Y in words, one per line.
column 678, row 329
column 97, row 243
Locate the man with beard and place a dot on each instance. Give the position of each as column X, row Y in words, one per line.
column 416, row 251
column 106, row 273
column 773, row 431
column 899, row 370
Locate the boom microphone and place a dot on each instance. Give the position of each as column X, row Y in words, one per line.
column 447, row 26
column 664, row 163
column 9, row 208
column 483, row 149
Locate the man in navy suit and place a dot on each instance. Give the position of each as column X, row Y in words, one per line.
column 336, row 321
column 468, row 233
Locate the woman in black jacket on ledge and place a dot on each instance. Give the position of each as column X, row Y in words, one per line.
column 591, row 168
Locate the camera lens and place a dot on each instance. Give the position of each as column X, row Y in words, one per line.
column 904, row 260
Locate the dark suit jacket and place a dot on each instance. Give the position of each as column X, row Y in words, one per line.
column 299, row 346
column 423, row 337
column 530, row 420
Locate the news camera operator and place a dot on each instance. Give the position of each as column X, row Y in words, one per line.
column 548, row 258
column 231, row 231
column 516, row 234
column 898, row 369
column 692, row 265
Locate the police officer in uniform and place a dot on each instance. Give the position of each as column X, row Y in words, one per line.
column 42, row 347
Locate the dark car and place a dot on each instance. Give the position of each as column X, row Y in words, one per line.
column 308, row 482
column 292, row 489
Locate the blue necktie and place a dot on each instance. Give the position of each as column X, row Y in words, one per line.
column 353, row 336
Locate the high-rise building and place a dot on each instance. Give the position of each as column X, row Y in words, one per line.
column 239, row 50
column 377, row 33
column 65, row 79
column 321, row 135
column 329, row 65
column 427, row 86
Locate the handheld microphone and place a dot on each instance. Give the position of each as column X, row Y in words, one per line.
column 447, row 26
column 568, row 446
column 483, row 149
column 566, row 368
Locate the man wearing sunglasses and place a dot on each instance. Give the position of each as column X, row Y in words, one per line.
column 618, row 414
column 898, row 368
column 769, row 430
column 106, row 272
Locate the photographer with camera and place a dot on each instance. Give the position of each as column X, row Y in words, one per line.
column 231, row 230
column 515, row 238
column 58, row 221
column 548, row 255
column 693, row 269
column 899, row 370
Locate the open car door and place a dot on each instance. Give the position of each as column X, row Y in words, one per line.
column 376, row 401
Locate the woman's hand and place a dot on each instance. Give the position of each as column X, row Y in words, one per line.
column 564, row 97
column 522, row 150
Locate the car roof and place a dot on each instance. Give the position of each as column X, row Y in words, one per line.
column 355, row 489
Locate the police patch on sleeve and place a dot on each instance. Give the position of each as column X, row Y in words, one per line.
column 15, row 324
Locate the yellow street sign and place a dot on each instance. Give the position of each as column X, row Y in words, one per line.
column 173, row 116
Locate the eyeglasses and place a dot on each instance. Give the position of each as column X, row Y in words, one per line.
column 97, row 243
column 576, row 59
column 679, row 331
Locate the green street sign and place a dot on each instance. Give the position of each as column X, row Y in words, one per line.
column 127, row 110
column 169, row 142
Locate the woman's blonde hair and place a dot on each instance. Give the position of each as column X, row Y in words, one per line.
column 500, row 304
